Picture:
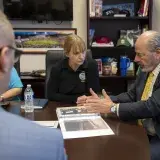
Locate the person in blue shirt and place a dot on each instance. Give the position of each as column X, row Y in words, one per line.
column 21, row 139
column 14, row 88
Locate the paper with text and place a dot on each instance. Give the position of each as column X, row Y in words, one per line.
column 76, row 122
column 50, row 124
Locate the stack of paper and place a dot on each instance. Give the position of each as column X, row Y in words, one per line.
column 51, row 124
column 76, row 122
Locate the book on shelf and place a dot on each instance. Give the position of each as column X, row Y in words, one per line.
column 99, row 63
column 98, row 8
column 77, row 122
column 91, row 35
column 95, row 8
column 92, row 8
column 143, row 11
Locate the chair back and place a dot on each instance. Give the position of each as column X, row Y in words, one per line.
column 54, row 56
column 17, row 67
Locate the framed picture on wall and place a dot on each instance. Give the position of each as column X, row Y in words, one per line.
column 41, row 40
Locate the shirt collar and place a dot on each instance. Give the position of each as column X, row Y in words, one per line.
column 81, row 67
column 156, row 70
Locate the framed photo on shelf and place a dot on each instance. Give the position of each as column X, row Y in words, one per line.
column 41, row 40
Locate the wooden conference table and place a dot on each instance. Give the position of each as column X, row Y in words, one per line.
column 129, row 142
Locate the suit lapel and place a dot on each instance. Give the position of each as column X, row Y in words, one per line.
column 157, row 83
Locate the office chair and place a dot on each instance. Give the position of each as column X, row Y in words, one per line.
column 17, row 66
column 54, row 56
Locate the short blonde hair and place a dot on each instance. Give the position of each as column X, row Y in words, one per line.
column 75, row 44
column 6, row 31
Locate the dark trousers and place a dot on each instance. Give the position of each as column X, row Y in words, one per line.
column 154, row 147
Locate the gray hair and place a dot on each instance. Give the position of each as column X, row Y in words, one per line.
column 6, row 31
column 154, row 41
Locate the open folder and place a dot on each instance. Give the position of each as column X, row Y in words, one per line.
column 76, row 122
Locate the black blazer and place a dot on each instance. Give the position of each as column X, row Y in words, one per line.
column 132, row 108
column 65, row 85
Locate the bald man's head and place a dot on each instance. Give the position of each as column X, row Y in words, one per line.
column 151, row 39
column 147, row 48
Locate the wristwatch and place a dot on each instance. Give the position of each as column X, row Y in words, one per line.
column 114, row 108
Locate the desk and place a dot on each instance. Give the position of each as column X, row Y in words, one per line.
column 129, row 142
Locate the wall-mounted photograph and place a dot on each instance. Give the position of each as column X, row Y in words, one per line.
column 41, row 39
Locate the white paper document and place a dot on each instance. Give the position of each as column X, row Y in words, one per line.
column 81, row 125
column 50, row 124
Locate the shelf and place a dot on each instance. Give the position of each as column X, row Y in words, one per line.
column 118, row 18
column 113, row 48
column 112, row 51
column 117, row 77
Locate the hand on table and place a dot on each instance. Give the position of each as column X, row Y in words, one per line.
column 82, row 99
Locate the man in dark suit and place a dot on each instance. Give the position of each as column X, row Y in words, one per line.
column 142, row 101
column 21, row 139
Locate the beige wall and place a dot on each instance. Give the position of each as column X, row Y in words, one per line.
column 34, row 62
column 80, row 17
column 155, row 15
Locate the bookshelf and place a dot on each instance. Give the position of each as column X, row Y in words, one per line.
column 110, row 26
column 119, row 18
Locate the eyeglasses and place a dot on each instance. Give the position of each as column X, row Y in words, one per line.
column 140, row 55
column 17, row 53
